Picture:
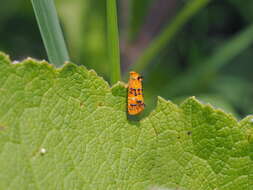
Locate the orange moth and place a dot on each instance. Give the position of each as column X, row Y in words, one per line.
column 135, row 103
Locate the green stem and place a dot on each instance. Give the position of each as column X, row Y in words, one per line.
column 113, row 41
column 50, row 30
column 167, row 34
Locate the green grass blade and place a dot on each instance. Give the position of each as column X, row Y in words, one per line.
column 167, row 34
column 200, row 74
column 50, row 30
column 228, row 51
column 113, row 41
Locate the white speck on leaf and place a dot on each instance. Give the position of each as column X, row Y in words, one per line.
column 43, row 151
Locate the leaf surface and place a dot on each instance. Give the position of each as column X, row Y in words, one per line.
column 67, row 129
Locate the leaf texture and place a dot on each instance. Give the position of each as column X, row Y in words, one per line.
column 67, row 129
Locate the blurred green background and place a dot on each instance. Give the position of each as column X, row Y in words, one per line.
column 210, row 56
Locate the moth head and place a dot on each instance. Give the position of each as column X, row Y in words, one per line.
column 135, row 76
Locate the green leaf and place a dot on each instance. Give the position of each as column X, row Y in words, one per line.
column 50, row 30
column 113, row 40
column 67, row 129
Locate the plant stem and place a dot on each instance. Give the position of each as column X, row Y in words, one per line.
column 113, row 41
column 167, row 34
column 50, row 30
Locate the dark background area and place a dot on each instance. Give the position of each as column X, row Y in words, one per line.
column 190, row 64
